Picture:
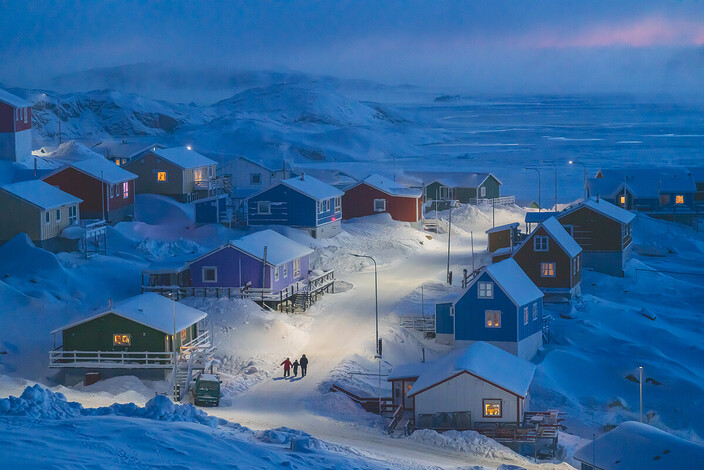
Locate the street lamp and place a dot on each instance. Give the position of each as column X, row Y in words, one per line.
column 554, row 164
column 572, row 162
column 540, row 206
column 376, row 310
column 58, row 111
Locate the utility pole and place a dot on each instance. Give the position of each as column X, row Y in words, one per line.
column 471, row 238
column 640, row 368
column 449, row 236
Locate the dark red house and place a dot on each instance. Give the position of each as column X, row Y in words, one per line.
column 551, row 259
column 15, row 127
column 377, row 194
column 106, row 189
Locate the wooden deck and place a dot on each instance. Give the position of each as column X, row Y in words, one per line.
column 59, row 358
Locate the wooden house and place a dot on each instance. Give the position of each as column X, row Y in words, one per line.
column 500, row 306
column 166, row 274
column 476, row 385
column 639, row 446
column 106, row 189
column 252, row 176
column 377, row 194
column 303, row 202
column 15, row 128
column 551, row 259
column 698, row 175
column 663, row 193
column 136, row 336
column 179, row 172
column 340, row 179
column 603, row 230
column 402, row 378
column 39, row 210
column 263, row 260
column 465, row 187
column 503, row 236
column 122, row 151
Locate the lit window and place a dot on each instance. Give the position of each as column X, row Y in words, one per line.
column 276, row 273
column 541, row 244
column 535, row 311
column 379, row 205
column 492, row 318
column 161, row 176
column 210, row 274
column 525, row 315
column 121, row 339
column 623, row 200
column 255, row 178
column 492, row 408
column 547, row 269
column 679, row 199
column 184, row 335
column 296, row 267
column 125, row 189
column 264, row 207
column 485, row 290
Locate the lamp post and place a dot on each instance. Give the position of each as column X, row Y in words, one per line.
column 572, row 162
column 376, row 317
column 58, row 111
column 554, row 164
column 539, row 203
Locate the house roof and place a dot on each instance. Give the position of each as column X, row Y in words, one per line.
column 312, row 187
column 501, row 228
column 459, row 179
column 12, row 100
column 645, row 183
column 407, row 371
column 389, row 186
column 167, row 267
column 152, row 310
column 537, row 217
column 279, row 249
column 633, row 445
column 183, row 157
column 482, row 360
column 41, row 194
column 558, row 233
column 513, row 281
column 103, row 170
column 603, row 207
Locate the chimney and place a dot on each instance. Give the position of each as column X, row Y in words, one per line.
column 597, row 197
column 109, row 303
column 303, row 176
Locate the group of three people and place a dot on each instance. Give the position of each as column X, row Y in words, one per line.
column 288, row 365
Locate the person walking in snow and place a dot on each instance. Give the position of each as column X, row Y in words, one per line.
column 295, row 368
column 304, row 365
column 287, row 367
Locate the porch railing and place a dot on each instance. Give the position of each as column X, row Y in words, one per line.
column 499, row 201
column 111, row 359
column 418, row 322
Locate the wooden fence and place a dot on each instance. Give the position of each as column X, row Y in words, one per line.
column 111, row 359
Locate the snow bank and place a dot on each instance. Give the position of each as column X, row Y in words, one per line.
column 469, row 442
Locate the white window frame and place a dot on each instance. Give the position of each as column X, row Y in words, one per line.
column 72, row 214
column 252, row 177
column 285, row 270
column 125, row 189
column 538, row 244
column 320, row 207
column 58, row 215
column 327, row 205
column 112, row 191
column 554, row 269
column 535, row 311
column 276, row 273
column 493, row 317
column 25, row 115
column 47, row 217
column 485, row 290
column 296, row 267
column 338, row 204
column 526, row 315
column 266, row 204
column 383, row 205
column 482, row 191
column 215, row 272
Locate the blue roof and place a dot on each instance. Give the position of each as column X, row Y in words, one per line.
column 538, row 217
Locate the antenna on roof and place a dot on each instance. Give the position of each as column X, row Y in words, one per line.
column 109, row 303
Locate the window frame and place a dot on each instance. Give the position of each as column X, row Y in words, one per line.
column 203, row 276
column 383, row 201
column 58, row 215
column 495, row 319
column 538, row 243
column 116, row 342
column 125, row 190
column 72, row 214
column 548, row 264
column 487, row 287
column 276, row 273
column 338, row 204
column 482, row 191
column 253, row 177
column 47, row 217
column 679, row 199
column 259, row 208
column 535, row 311
column 285, row 273
column 166, row 176
column 296, row 267
column 526, row 315
column 500, row 404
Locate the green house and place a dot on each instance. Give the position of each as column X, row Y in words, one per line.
column 140, row 333
column 465, row 187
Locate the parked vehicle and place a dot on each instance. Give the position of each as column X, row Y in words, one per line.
column 206, row 390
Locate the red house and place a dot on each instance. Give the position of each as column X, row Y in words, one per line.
column 106, row 189
column 377, row 194
column 15, row 127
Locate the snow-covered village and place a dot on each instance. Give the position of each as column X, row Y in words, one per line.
column 352, row 235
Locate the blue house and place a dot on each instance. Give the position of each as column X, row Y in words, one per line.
column 302, row 202
column 500, row 306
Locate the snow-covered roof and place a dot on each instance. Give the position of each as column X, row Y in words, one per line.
column 279, row 249
column 513, row 281
column 537, row 217
column 103, row 170
column 603, row 207
column 501, row 228
column 458, row 179
column 209, row 378
column 389, row 186
column 558, row 233
column 483, row 360
column 152, row 310
column 312, row 187
column 643, row 182
column 167, row 266
column 12, row 100
column 41, row 194
column 507, row 250
column 407, row 371
column 633, row 445
column 183, row 157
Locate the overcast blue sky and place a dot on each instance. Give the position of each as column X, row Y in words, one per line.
column 488, row 46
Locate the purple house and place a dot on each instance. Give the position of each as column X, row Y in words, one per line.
column 262, row 260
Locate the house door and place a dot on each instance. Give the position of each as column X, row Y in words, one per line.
column 408, row 403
